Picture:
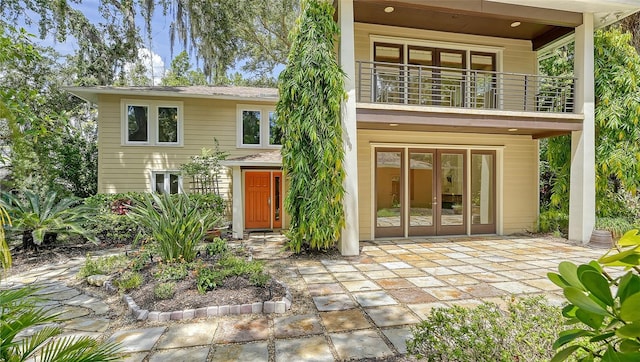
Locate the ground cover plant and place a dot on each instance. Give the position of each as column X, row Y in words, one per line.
column 524, row 332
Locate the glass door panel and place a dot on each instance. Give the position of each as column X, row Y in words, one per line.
column 389, row 192
column 420, row 75
column 422, row 196
column 388, row 79
column 451, row 192
column 483, row 85
column 483, row 190
column 452, row 81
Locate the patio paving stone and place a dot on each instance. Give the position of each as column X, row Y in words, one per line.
column 413, row 272
column 439, row 271
column 331, row 302
column 369, row 267
column 344, row 320
column 313, row 349
column 481, row 290
column 296, row 326
column 457, row 280
column 396, row 265
column 466, row 269
column 466, row 303
column 411, row 296
column 423, row 264
column 515, row 287
column 349, row 276
column 395, row 315
column 517, row 275
column 424, row 282
column 489, row 277
column 446, row 293
column 241, row 352
column 373, row 299
column 360, row 286
column 242, row 330
column 312, row 269
column 386, row 259
column 324, row 289
column 183, row 355
column 318, row 278
column 449, row 262
column 398, row 337
column 188, row 335
column 341, row 268
column 137, row 340
column 394, row 283
column 542, row 284
column 360, row 345
column 381, row 274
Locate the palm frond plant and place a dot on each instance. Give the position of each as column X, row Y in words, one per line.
column 174, row 224
column 18, row 314
column 35, row 216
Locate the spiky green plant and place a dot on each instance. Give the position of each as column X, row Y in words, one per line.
column 311, row 91
column 5, row 253
column 175, row 224
column 18, row 314
column 36, row 216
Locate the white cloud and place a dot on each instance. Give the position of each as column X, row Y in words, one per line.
column 152, row 61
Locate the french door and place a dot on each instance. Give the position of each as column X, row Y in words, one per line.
column 423, row 191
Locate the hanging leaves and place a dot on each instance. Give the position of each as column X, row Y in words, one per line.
column 311, row 91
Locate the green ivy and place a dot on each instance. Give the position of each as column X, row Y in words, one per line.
column 311, row 91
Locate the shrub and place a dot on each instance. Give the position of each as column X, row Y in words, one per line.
column 553, row 221
column 217, row 246
column 175, row 224
column 37, row 217
column 603, row 309
column 485, row 333
column 128, row 280
column 165, row 290
column 103, row 265
column 111, row 223
column 20, row 317
column 616, row 225
column 171, row 271
column 209, row 279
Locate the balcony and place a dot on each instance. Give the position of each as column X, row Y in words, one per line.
column 417, row 85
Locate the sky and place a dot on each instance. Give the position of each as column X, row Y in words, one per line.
column 157, row 55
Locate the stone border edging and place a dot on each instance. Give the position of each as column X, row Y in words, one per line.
column 267, row 307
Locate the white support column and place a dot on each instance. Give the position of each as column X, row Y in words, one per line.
column 238, row 204
column 350, row 238
column 582, row 203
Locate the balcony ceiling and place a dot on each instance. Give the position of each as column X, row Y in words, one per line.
column 492, row 17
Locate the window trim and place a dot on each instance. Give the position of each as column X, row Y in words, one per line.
column 265, row 127
column 153, row 127
column 167, row 185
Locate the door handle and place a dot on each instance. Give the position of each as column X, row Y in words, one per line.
column 269, row 200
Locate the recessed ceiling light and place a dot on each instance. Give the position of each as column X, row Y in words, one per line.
column 516, row 24
column 393, row 125
column 389, row 9
column 512, row 129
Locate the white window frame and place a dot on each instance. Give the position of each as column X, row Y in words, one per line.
column 264, row 126
column 153, row 126
column 167, row 183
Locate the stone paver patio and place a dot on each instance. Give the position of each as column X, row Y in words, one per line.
column 363, row 306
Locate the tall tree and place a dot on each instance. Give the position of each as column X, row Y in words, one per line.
column 180, row 73
column 311, row 91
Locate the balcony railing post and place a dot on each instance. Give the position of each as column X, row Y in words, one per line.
column 526, row 91
column 359, row 81
column 419, row 98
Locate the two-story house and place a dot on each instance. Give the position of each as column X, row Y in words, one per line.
column 441, row 127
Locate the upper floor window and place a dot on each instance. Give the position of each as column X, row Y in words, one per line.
column 257, row 127
column 151, row 123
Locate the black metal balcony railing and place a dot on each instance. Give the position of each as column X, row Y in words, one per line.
column 463, row 88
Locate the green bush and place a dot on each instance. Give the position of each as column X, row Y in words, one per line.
column 553, row 221
column 37, row 217
column 603, row 307
column 616, row 225
column 216, row 247
column 111, row 223
column 175, row 224
column 165, row 290
column 128, row 280
column 485, row 333
column 211, row 278
column 171, row 271
column 103, row 265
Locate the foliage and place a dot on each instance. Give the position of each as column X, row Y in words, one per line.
column 229, row 265
column 603, row 307
column 172, row 271
column 205, row 168
column 18, row 315
column 103, row 265
column 5, row 252
column 165, row 290
column 175, row 224
column 617, row 83
column 485, row 333
column 618, row 226
column 35, row 216
column 553, row 221
column 216, row 247
column 179, row 74
column 311, row 91
column 128, row 280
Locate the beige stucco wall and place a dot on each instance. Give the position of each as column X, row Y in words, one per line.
column 517, row 173
column 124, row 168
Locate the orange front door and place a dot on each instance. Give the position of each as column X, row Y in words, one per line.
column 257, row 207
